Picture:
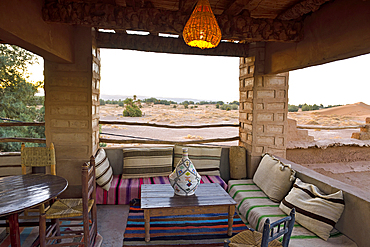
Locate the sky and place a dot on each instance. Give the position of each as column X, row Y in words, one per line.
column 129, row 73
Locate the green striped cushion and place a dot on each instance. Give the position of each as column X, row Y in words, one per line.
column 314, row 210
column 254, row 207
column 103, row 170
column 205, row 159
column 147, row 162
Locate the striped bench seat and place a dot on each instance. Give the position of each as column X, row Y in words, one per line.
column 122, row 191
column 254, row 207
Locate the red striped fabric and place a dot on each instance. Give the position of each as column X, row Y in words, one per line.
column 123, row 191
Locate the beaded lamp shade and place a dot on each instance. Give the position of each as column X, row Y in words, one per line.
column 202, row 29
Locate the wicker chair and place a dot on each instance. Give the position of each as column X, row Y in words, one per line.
column 252, row 238
column 72, row 217
column 33, row 157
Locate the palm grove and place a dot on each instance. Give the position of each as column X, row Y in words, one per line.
column 18, row 102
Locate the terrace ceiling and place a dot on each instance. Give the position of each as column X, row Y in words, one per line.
column 240, row 21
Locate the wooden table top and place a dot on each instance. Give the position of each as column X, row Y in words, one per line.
column 24, row 191
column 163, row 196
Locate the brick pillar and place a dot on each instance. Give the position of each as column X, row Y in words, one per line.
column 71, row 108
column 263, row 108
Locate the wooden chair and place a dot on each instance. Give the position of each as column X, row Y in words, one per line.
column 64, row 213
column 268, row 238
column 37, row 157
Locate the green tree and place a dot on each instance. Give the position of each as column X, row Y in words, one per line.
column 17, row 96
column 131, row 109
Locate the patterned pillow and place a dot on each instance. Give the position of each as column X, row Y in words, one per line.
column 205, row 159
column 147, row 162
column 273, row 177
column 103, row 171
column 314, row 210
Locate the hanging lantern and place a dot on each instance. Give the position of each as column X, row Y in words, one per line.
column 202, row 29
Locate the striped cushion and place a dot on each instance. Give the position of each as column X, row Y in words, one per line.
column 147, row 162
column 273, row 177
column 314, row 210
column 123, row 191
column 103, row 171
column 205, row 159
column 254, row 207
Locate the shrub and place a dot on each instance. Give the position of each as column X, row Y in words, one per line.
column 132, row 111
column 292, row 108
column 186, row 105
column 228, row 107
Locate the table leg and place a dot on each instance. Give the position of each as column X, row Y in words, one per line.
column 14, row 230
column 231, row 220
column 147, row 224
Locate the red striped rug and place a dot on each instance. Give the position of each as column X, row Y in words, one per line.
column 189, row 230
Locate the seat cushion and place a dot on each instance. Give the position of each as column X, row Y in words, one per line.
column 123, row 191
column 315, row 210
column 205, row 159
column 67, row 208
column 254, row 207
column 147, row 162
column 250, row 238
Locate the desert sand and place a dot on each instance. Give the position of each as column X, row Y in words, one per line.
column 355, row 173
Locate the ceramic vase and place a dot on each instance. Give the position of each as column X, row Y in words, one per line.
column 185, row 179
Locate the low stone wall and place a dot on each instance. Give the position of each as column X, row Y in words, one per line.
column 334, row 154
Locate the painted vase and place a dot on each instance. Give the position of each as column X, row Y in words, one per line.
column 185, row 178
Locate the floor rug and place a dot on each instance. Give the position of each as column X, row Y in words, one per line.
column 185, row 231
column 29, row 238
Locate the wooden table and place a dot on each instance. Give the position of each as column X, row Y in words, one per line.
column 160, row 200
column 18, row 193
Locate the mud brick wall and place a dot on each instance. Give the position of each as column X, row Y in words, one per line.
column 263, row 108
column 364, row 133
column 72, row 108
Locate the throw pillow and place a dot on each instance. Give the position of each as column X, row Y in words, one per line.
column 205, row 159
column 314, row 210
column 103, row 171
column 147, row 162
column 273, row 177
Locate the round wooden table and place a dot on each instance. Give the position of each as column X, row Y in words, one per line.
column 18, row 193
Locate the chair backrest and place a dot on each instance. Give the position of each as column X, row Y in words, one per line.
column 88, row 180
column 38, row 157
column 89, row 200
column 283, row 227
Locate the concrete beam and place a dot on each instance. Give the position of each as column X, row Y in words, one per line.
column 338, row 30
column 21, row 24
column 166, row 45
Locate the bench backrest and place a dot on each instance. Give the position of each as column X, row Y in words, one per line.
column 115, row 156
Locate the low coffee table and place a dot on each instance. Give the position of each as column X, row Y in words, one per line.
column 160, row 200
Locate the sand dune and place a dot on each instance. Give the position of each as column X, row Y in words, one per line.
column 354, row 110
